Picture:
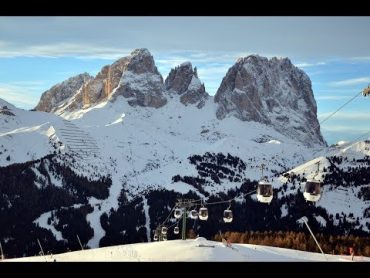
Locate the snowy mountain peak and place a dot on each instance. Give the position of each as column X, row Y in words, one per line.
column 60, row 93
column 183, row 80
column 141, row 52
column 273, row 92
column 134, row 77
column 6, row 104
column 141, row 61
column 186, row 64
column 141, row 83
column 6, row 108
column 270, row 91
column 253, row 58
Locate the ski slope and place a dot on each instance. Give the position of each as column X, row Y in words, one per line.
column 198, row 250
column 142, row 148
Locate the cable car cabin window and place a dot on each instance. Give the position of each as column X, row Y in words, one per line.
column 265, row 190
column 313, row 187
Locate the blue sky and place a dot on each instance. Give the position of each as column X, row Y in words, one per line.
column 38, row 52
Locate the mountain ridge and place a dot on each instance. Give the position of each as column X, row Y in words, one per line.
column 273, row 92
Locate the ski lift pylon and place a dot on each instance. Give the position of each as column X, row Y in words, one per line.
column 312, row 188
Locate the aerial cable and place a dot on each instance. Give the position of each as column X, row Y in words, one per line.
column 168, row 217
column 336, row 111
column 176, row 223
column 341, row 107
column 363, row 135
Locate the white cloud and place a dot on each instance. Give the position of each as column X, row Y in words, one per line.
column 92, row 50
column 332, row 97
column 197, row 57
column 345, row 129
column 78, row 50
column 20, row 96
column 307, row 65
column 350, row 82
column 357, row 116
column 361, row 59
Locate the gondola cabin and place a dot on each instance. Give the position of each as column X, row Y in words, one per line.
column 177, row 213
column 264, row 192
column 193, row 214
column 176, row 230
column 312, row 190
column 366, row 92
column 228, row 216
column 203, row 214
column 164, row 230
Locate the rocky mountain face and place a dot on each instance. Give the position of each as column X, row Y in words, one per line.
column 273, row 92
column 60, row 93
column 134, row 77
column 184, row 81
column 141, row 82
column 270, row 91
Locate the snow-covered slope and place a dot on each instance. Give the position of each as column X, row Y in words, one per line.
column 30, row 135
column 143, row 149
column 146, row 147
column 198, row 250
column 27, row 135
column 153, row 142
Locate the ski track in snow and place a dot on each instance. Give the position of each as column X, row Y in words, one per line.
column 42, row 221
column 147, row 219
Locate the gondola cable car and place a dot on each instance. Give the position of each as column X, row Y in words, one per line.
column 264, row 189
column 178, row 213
column 228, row 215
column 312, row 189
column 203, row 213
column 164, row 230
column 366, row 91
column 176, row 230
